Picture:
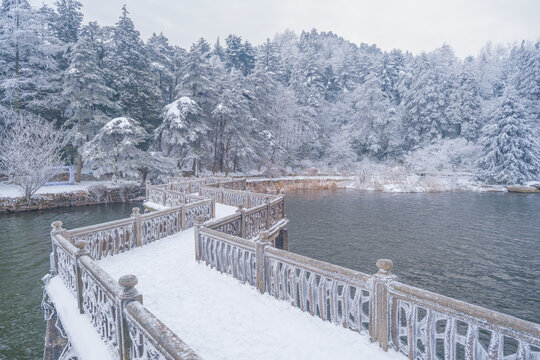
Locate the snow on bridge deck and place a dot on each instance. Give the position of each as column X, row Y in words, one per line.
column 221, row 318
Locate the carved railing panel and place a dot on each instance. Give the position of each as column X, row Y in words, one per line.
column 150, row 339
column 231, row 225
column 108, row 239
column 194, row 211
column 234, row 197
column 235, row 257
column 156, row 195
column 211, row 192
column 66, row 266
column 99, row 303
column 182, row 187
column 427, row 329
column 174, row 198
column 160, row 224
column 276, row 211
column 332, row 296
column 257, row 199
column 255, row 221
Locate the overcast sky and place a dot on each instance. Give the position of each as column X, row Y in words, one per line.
column 413, row 25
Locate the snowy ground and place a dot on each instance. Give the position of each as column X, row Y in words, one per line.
column 220, row 318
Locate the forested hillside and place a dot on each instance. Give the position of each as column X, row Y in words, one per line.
column 134, row 107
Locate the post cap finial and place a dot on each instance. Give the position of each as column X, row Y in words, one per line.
column 136, row 211
column 385, row 266
column 81, row 244
column 128, row 282
column 57, row 225
column 199, row 219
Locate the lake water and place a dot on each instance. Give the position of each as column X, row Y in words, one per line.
column 482, row 248
column 25, row 245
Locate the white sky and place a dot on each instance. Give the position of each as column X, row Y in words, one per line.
column 413, row 25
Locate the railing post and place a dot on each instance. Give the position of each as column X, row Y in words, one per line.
column 183, row 217
column 164, row 198
column 242, row 222
column 147, row 190
column 128, row 293
column 213, row 208
column 267, row 200
column 137, row 217
column 198, row 222
column 56, row 229
column 82, row 250
column 221, row 193
column 285, row 239
column 260, row 275
column 190, row 188
column 379, row 328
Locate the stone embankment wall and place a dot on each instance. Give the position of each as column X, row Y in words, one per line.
column 277, row 185
column 98, row 194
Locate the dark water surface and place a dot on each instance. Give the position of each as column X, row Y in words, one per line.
column 24, row 259
column 482, row 248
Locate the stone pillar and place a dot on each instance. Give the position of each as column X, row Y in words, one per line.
column 128, row 293
column 260, row 276
column 242, row 221
column 379, row 314
column 136, row 215
column 56, row 229
column 82, row 250
column 183, row 217
column 285, row 239
column 198, row 223
column 267, row 200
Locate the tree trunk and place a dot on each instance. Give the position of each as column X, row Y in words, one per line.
column 79, row 164
column 226, row 158
column 214, row 166
column 235, row 164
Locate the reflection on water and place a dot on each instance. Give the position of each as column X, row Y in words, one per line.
column 24, row 259
column 483, row 248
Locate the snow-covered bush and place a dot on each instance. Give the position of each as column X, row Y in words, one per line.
column 30, row 148
column 114, row 150
column 447, row 156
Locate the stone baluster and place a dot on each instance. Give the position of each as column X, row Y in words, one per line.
column 380, row 317
column 260, row 262
column 183, row 217
column 82, row 250
column 137, row 217
column 127, row 294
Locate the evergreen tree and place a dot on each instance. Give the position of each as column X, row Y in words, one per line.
column 183, row 133
column 115, row 149
column 133, row 80
column 29, row 77
column 162, row 63
column 464, row 110
column 67, row 22
column 87, row 94
column 510, row 150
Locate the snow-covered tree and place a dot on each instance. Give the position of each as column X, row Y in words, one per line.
column 86, row 92
column 29, row 77
column 67, row 22
column 133, row 80
column 30, row 148
column 115, row 149
column 510, row 149
column 183, row 133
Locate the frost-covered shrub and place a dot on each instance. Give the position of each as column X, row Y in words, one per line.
column 443, row 156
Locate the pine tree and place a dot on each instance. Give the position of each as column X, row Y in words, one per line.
column 464, row 111
column 133, row 81
column 510, row 150
column 67, row 22
column 162, row 63
column 87, row 94
column 115, row 149
column 183, row 133
column 29, row 77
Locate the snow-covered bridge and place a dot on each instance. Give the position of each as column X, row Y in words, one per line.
column 193, row 306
